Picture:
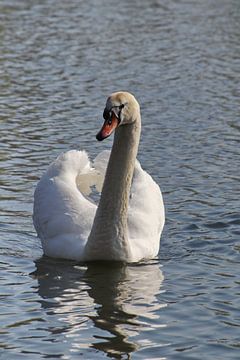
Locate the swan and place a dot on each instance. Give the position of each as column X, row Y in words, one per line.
column 126, row 224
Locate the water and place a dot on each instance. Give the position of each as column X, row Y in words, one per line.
column 58, row 62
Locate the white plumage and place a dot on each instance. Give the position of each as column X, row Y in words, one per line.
column 64, row 214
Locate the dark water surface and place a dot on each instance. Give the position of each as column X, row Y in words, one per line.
column 58, row 62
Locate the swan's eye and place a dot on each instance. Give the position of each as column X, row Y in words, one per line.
column 119, row 111
column 110, row 122
column 106, row 114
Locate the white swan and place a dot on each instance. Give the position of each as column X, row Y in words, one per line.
column 128, row 221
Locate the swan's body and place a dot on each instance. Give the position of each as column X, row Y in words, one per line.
column 127, row 223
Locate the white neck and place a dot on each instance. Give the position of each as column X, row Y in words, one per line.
column 109, row 236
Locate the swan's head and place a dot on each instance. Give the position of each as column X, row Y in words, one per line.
column 121, row 108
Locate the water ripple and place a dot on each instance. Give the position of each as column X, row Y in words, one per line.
column 59, row 61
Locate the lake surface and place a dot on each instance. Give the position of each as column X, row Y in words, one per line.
column 59, row 60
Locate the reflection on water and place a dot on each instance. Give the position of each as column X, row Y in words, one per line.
column 119, row 300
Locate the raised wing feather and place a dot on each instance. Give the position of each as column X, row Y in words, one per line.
column 63, row 215
column 145, row 214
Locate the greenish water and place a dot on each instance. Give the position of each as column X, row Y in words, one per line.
column 58, row 62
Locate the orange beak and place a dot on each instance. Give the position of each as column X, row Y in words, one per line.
column 108, row 127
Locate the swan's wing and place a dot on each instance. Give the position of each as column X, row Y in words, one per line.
column 63, row 215
column 100, row 165
column 146, row 214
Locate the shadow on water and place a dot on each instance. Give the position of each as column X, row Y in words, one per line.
column 111, row 301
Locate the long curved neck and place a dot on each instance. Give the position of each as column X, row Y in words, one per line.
column 109, row 232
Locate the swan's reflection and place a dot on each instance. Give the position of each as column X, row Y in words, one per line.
column 102, row 305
